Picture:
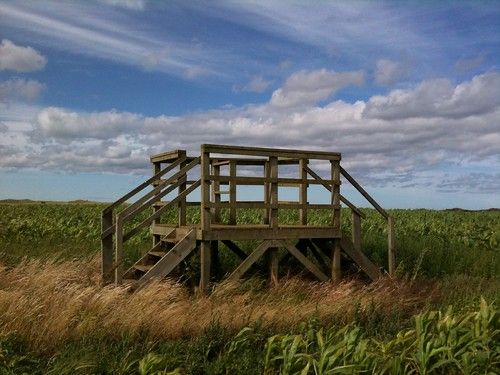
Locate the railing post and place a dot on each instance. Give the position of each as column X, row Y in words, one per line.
column 303, row 191
column 273, row 221
column 267, row 190
column 182, row 203
column 205, row 252
column 118, row 250
column 336, row 255
column 232, row 192
column 107, row 248
column 216, row 198
column 391, row 248
column 156, row 237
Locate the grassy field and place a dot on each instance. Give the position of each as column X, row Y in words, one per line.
column 56, row 318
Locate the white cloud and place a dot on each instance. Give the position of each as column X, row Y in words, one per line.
column 257, row 84
column 439, row 98
column 18, row 89
column 20, row 59
column 129, row 4
column 389, row 72
column 308, row 87
column 378, row 150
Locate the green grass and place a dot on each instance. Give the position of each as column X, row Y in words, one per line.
column 455, row 250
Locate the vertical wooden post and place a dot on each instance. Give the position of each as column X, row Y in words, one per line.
column 303, row 191
column 336, row 255
column 118, row 250
column 182, row 206
column 156, row 237
column 273, row 221
column 356, row 231
column 267, row 191
column 216, row 198
column 107, row 249
column 391, row 246
column 216, row 268
column 205, row 220
column 232, row 192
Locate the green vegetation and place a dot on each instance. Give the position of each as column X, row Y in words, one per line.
column 55, row 318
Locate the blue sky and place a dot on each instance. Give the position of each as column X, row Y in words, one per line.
column 408, row 92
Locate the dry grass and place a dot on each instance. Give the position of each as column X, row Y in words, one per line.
column 49, row 303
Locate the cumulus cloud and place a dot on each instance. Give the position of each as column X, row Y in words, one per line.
column 439, row 98
column 20, row 59
column 376, row 149
column 308, row 87
column 257, row 84
column 389, row 72
column 18, row 89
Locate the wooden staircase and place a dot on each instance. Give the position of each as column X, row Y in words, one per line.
column 163, row 257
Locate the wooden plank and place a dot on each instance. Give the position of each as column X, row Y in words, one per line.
column 264, row 205
column 215, row 261
column 206, row 221
column 182, row 203
column 235, row 249
column 273, row 266
column 205, row 265
column 391, row 240
column 118, row 250
column 329, row 188
column 273, row 192
column 317, row 255
column 274, row 152
column 107, row 249
column 303, row 191
column 268, row 233
column 251, row 161
column 363, row 192
column 360, row 259
column 258, row 180
column 232, row 192
column 336, row 262
column 166, row 156
column 305, row 261
column 145, row 184
column 166, row 264
column 151, row 218
column 335, row 167
column 156, row 238
column 251, row 259
column 216, row 198
column 267, row 195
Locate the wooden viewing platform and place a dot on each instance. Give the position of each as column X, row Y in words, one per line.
column 217, row 173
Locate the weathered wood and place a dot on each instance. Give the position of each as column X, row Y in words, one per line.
column 305, row 261
column 251, row 259
column 118, row 250
column 235, row 249
column 317, row 255
column 336, row 193
column 244, row 233
column 329, row 188
column 107, row 248
column 273, row 266
column 336, row 261
column 251, row 161
column 206, row 222
column 215, row 261
column 216, row 195
column 303, row 191
column 363, row 193
column 167, row 156
column 267, row 195
column 205, row 265
column 360, row 259
column 391, row 240
column 273, row 192
column 271, row 152
column 151, row 218
column 264, row 205
column 156, row 170
column 232, row 192
column 183, row 186
column 175, row 255
column 261, row 180
column 145, row 184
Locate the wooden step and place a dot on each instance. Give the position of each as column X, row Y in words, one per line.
column 142, row 267
column 158, row 254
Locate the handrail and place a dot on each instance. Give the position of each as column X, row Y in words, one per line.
column 364, row 193
column 141, row 186
column 329, row 188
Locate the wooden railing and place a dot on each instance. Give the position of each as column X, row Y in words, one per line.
column 113, row 220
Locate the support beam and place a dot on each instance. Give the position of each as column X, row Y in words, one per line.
column 107, row 249
column 304, row 260
column 232, row 192
column 118, row 250
column 156, row 238
column 205, row 253
column 336, row 262
column 216, row 198
column 356, row 231
column 273, row 266
column 182, row 203
column 252, row 258
column 303, row 191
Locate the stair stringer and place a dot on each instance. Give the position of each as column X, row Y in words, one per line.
column 360, row 259
column 170, row 260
